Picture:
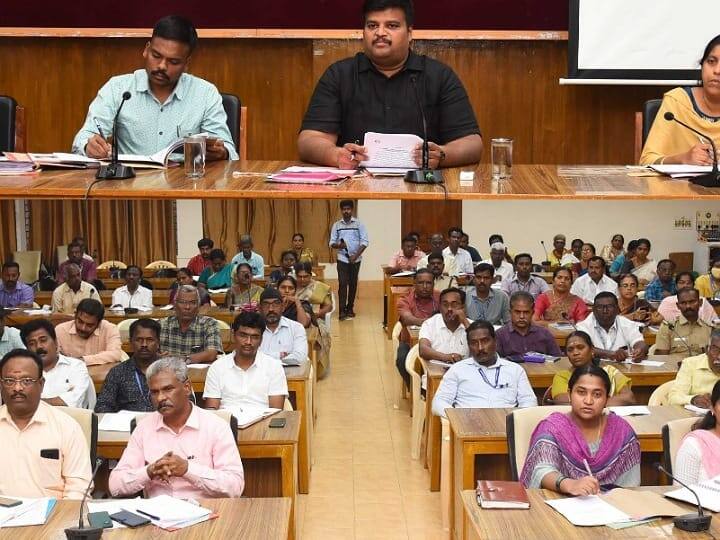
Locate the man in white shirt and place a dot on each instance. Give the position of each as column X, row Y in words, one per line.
column 132, row 294
column 283, row 338
column 9, row 336
column 503, row 269
column 595, row 281
column 483, row 380
column 67, row 382
column 246, row 377
column 457, row 260
column 614, row 338
column 442, row 336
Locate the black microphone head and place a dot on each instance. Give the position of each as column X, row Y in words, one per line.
column 542, row 242
column 658, row 466
column 669, row 116
column 126, row 95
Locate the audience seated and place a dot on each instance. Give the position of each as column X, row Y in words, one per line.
column 558, row 304
column 687, row 334
column 442, row 336
column 13, row 292
column 247, row 377
column 89, row 336
column 595, row 281
column 436, row 264
column 243, row 292
column 437, row 243
column 580, row 353
column 125, row 387
column 612, row 251
column 67, row 296
column 564, row 446
column 520, row 336
column 83, row 246
column 132, row 294
column 247, row 255
column 302, row 253
column 483, row 303
column 630, row 306
column 698, row 458
column 522, row 279
column 88, row 268
column 484, row 379
column 201, row 261
column 668, row 309
column 67, row 381
column 558, row 251
column 572, row 259
column 417, row 306
column 187, row 334
column 457, row 260
column 45, row 453
column 217, row 275
column 288, row 259
column 181, row 450
column 503, row 269
column 709, row 284
column 9, row 336
column 663, row 284
column 642, row 266
column 587, row 252
column 283, row 338
column 697, row 376
column 622, row 263
column 614, row 337
column 465, row 244
column 185, row 277
column 407, row 258
column 498, row 239
column 317, row 293
column 294, row 308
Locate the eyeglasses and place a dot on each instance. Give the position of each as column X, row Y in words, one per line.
column 10, row 382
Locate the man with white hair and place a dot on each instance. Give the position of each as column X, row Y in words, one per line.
column 503, row 269
column 181, row 450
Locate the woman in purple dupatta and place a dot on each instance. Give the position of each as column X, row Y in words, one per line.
column 562, row 444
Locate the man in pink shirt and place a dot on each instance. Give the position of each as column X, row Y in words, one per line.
column 181, row 450
column 202, row 260
column 407, row 258
column 89, row 336
column 88, row 268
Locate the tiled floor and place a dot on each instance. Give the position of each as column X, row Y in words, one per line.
column 364, row 485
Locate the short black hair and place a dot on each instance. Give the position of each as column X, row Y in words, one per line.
column 370, row 6
column 521, row 256
column 302, row 237
column 632, row 245
column 714, row 42
column 217, row 254
column 686, row 290
column 484, row 267
column 147, row 323
column 451, row 290
column 577, row 241
column 74, row 244
column 409, row 238
column 522, row 296
column 303, row 266
column 631, row 276
column 287, row 277
column 436, row 255
column 249, row 319
column 206, row 242
column 288, row 252
column 681, row 275
column 33, row 325
column 495, row 238
column 185, row 270
column 480, row 325
column 563, row 269
column 347, row 203
column 176, row 28
column 455, row 230
column 605, row 294
column 136, row 268
column 665, row 261
column 246, row 265
column 11, row 264
column 590, row 369
column 423, row 271
column 22, row 353
column 597, row 258
column 91, row 307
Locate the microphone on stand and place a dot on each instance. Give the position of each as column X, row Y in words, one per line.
column 711, row 179
column 546, row 262
column 116, row 170
column 424, row 175
column 689, row 522
column 80, row 532
column 671, row 327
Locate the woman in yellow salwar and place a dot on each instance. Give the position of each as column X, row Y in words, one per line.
column 320, row 297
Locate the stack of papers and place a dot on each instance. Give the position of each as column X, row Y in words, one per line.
column 170, row 513
column 682, row 171
column 13, row 167
column 247, row 416
column 651, row 363
column 55, row 160
column 30, row 512
column 590, row 511
column 697, row 410
column 119, row 421
column 390, row 150
column 404, row 273
column 631, row 410
column 708, row 491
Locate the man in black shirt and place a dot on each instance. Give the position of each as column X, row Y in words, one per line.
column 373, row 91
column 125, row 387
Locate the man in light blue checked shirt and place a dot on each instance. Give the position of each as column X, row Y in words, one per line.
column 166, row 103
column 349, row 236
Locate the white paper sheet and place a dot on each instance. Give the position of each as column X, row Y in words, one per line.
column 198, row 366
column 119, row 421
column 247, row 416
column 390, row 150
column 589, row 511
column 30, row 512
column 333, row 170
column 631, row 410
column 651, row 363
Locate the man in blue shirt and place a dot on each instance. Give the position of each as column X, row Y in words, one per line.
column 248, row 256
column 350, row 238
column 13, row 292
column 166, row 103
column 664, row 283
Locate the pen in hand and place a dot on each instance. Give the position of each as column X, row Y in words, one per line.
column 587, row 468
column 97, row 125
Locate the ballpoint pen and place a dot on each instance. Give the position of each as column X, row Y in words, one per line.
column 97, row 125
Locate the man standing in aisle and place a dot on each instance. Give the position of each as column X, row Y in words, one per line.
column 165, row 102
column 350, row 238
column 378, row 90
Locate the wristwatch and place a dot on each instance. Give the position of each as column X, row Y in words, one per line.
column 558, row 481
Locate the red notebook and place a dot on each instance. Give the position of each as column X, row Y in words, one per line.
column 305, row 178
column 501, row 494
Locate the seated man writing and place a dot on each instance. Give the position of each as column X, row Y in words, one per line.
column 89, row 336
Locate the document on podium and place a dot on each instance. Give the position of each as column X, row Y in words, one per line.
column 391, row 150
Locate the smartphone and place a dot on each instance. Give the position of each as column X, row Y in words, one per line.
column 129, row 519
column 277, row 423
column 100, row 519
column 9, row 503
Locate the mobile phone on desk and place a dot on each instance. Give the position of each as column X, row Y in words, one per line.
column 100, row 519
column 129, row 519
column 9, row 503
column 278, row 422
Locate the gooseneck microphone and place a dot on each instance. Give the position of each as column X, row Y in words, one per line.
column 711, row 179
column 547, row 258
column 80, row 532
column 424, row 175
column 116, row 170
column 689, row 522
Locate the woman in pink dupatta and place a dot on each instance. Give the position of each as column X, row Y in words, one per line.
column 564, row 446
column 698, row 457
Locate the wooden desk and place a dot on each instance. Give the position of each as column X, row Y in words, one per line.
column 482, row 432
column 388, row 301
column 645, row 379
column 503, row 524
column 261, row 448
column 300, row 388
column 394, row 294
column 246, row 518
column 161, row 297
column 550, row 182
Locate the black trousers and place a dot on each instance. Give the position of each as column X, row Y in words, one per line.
column 347, row 278
column 402, row 352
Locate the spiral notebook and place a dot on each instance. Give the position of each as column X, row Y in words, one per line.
column 708, row 491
